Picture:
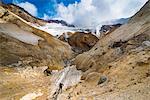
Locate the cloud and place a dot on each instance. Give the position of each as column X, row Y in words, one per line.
column 46, row 17
column 31, row 8
column 89, row 13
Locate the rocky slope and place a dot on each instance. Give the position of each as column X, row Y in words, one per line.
column 117, row 43
column 32, row 42
column 25, row 52
column 116, row 68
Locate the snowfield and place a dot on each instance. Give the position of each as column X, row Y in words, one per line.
column 55, row 29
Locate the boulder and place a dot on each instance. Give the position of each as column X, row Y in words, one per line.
column 93, row 78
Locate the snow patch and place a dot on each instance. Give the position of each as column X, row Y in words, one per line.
column 15, row 32
column 31, row 96
column 69, row 76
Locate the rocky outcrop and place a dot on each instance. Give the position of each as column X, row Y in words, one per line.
column 82, row 42
column 65, row 36
column 79, row 41
column 106, row 29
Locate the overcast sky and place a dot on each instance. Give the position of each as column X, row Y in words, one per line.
column 80, row 12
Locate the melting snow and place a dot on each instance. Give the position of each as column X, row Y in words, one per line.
column 69, row 76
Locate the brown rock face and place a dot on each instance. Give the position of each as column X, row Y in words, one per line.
column 64, row 37
column 82, row 42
